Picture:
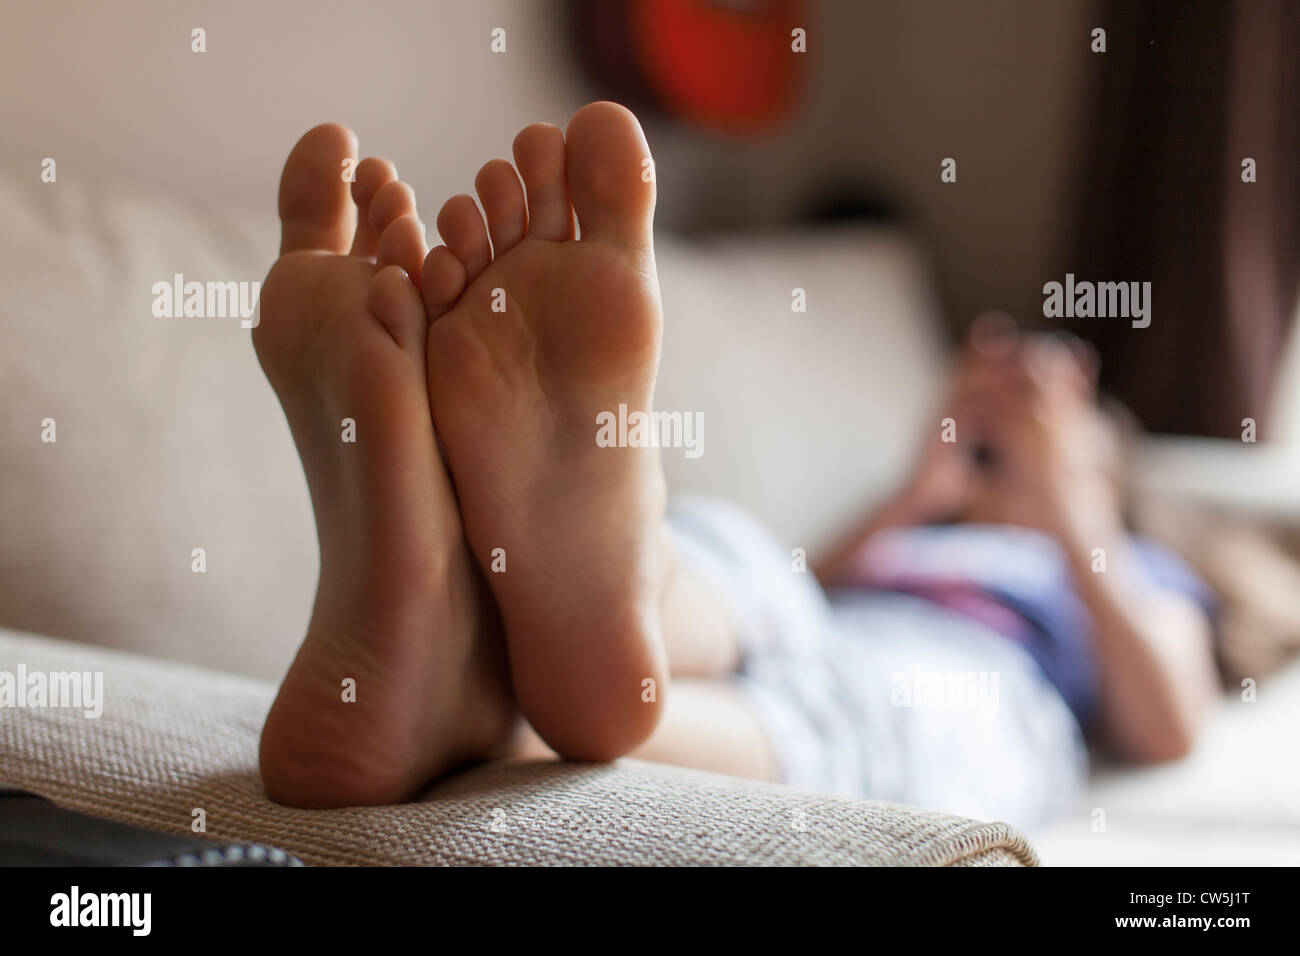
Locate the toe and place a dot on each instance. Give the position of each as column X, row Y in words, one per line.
column 502, row 199
column 610, row 175
column 394, row 301
column 372, row 174
column 442, row 280
column 315, row 209
column 394, row 199
column 461, row 227
column 402, row 244
column 539, row 154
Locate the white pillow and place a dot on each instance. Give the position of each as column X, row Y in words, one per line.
column 808, row 416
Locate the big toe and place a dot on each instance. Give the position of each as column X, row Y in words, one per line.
column 610, row 175
column 316, row 210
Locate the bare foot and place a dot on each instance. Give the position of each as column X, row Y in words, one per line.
column 532, row 336
column 401, row 609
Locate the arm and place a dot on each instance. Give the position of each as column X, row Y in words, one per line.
column 1156, row 667
column 1157, row 673
column 832, row 568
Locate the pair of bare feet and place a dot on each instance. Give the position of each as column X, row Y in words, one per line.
column 481, row 557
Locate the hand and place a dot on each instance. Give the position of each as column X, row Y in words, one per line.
column 948, row 479
column 1051, row 447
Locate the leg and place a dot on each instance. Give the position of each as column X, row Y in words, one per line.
column 699, row 634
column 707, row 725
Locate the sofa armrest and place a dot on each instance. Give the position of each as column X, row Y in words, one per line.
column 173, row 739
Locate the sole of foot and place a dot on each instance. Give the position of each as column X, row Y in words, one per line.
column 401, row 676
column 534, row 333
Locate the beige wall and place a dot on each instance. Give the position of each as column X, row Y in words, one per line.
column 894, row 88
column 113, row 92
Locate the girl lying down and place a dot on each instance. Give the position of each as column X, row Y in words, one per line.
column 496, row 582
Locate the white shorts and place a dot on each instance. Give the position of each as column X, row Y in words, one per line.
column 879, row 695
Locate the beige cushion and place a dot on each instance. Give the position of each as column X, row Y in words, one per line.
column 808, row 416
column 169, row 438
column 173, row 738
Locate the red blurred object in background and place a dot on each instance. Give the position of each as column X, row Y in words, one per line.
column 724, row 64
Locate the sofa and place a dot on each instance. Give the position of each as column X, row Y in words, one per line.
column 175, row 739
column 169, row 439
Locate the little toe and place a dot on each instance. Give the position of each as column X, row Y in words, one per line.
column 442, row 280
column 395, row 302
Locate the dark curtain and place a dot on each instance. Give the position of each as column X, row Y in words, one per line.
column 1186, row 90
